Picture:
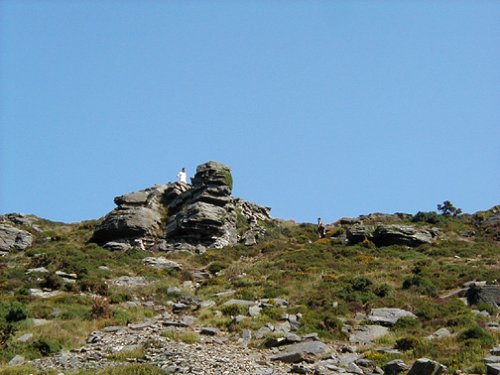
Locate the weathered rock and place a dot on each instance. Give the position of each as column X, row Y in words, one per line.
column 181, row 217
column 307, row 347
column 360, row 232
column 385, row 235
column 17, row 360
column 130, row 281
column 128, row 223
column 439, row 334
column 390, row 234
column 492, row 359
column 395, row 367
column 25, row 338
column 289, row 357
column 12, row 238
column 162, row 263
column 37, row 270
column 367, row 333
column 493, row 369
column 489, row 294
column 388, row 316
column 424, row 366
column 495, row 351
column 117, row 246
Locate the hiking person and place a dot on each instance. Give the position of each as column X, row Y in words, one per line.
column 182, row 176
column 321, row 228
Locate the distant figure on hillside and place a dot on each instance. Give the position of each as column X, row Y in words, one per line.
column 182, row 175
column 321, row 228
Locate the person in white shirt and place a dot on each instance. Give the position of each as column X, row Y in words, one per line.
column 182, row 175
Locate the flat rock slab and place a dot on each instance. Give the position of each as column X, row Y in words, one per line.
column 388, row 316
column 310, row 347
column 162, row 263
column 368, row 333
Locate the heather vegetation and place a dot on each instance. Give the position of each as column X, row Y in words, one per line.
column 330, row 285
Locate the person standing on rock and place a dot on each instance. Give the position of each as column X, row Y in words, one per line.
column 321, row 228
column 182, row 175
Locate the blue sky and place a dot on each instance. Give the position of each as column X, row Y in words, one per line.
column 321, row 108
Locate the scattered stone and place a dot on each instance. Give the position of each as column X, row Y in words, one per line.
column 207, row 304
column 173, row 290
column 42, row 294
column 162, row 263
column 368, row 333
column 495, row 351
column 424, row 366
column 289, row 357
column 130, row 281
column 395, row 367
column 39, row 322
column 388, row 316
column 71, row 276
column 309, row 347
column 17, row 360
column 25, row 338
column 37, row 270
column 439, row 334
column 254, row 311
column 117, row 246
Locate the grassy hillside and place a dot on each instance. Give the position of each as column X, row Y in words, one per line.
column 329, row 284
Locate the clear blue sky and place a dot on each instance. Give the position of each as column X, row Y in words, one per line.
column 321, row 108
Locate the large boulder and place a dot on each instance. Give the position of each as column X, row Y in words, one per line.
column 489, row 294
column 12, row 238
column 425, row 366
column 408, row 235
column 128, row 223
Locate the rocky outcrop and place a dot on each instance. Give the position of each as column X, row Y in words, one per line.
column 178, row 216
column 391, row 234
column 12, row 238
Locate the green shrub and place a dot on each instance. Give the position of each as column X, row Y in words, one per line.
column 407, row 343
column 47, row 346
column 122, row 316
column 233, row 310
column 420, row 284
column 16, row 312
column 215, row 267
column 427, row 217
column 478, row 334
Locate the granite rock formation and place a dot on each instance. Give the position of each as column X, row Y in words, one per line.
column 179, row 216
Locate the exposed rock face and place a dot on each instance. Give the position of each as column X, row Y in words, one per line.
column 179, row 216
column 391, row 234
column 12, row 238
column 487, row 293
